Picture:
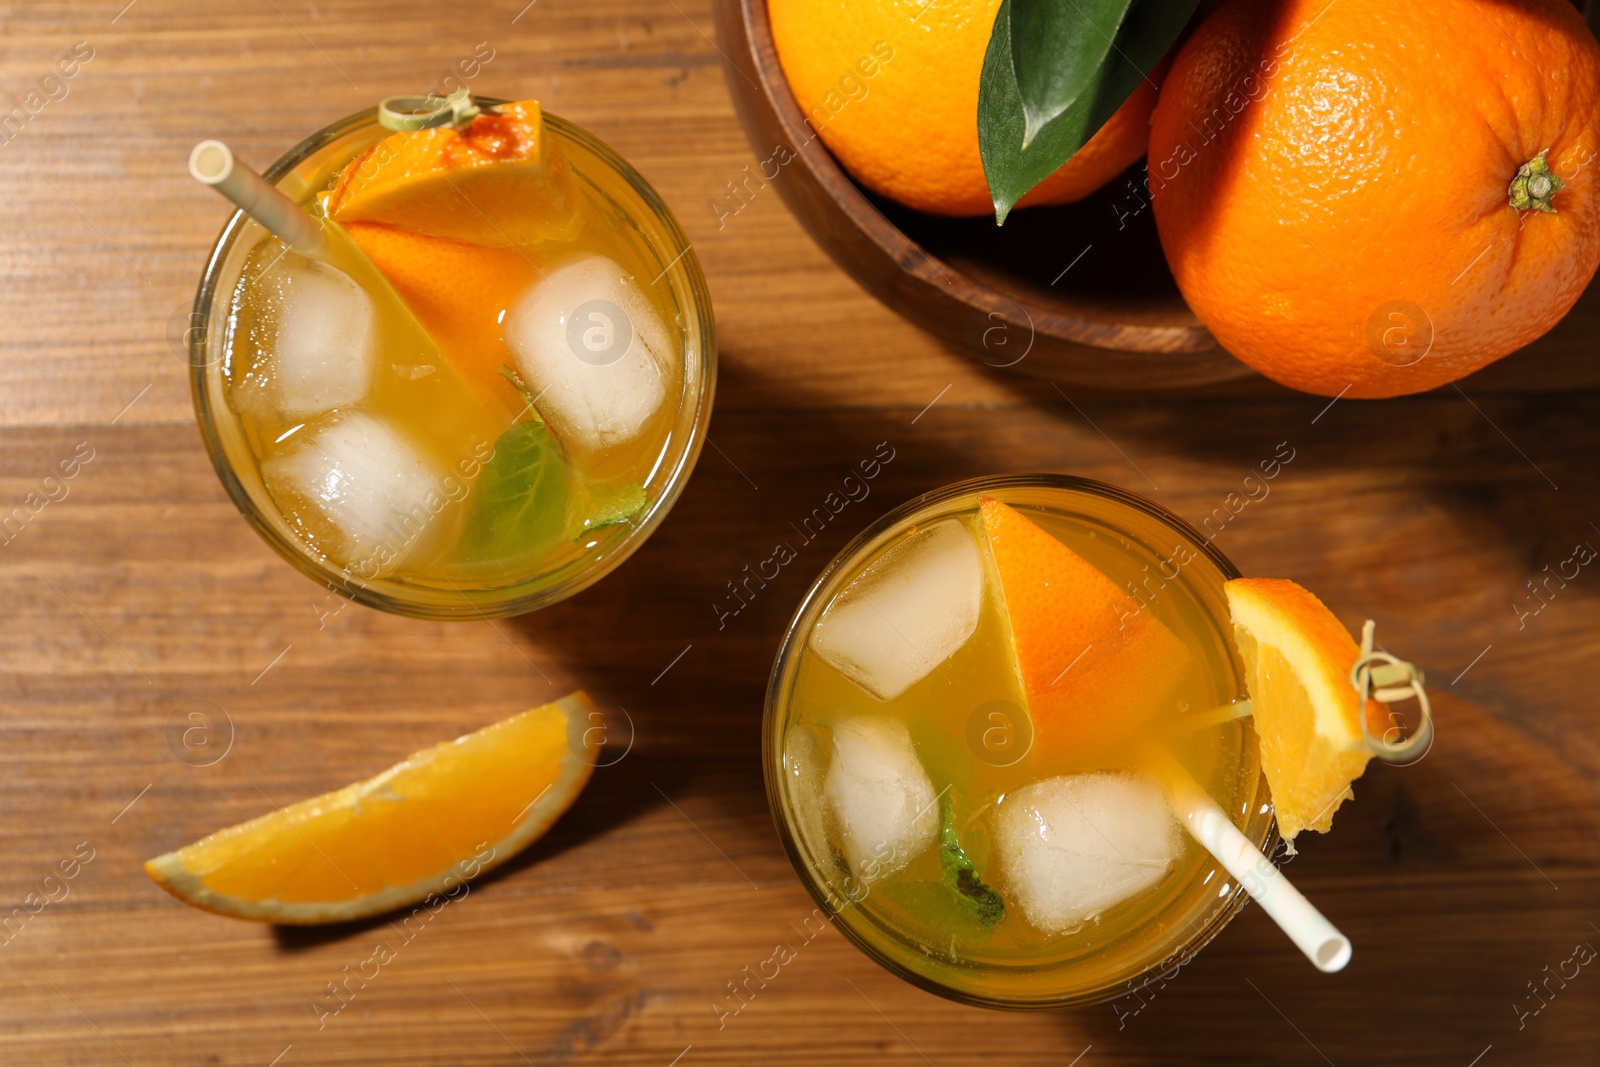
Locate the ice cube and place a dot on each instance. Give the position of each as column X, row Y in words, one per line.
column 593, row 349
column 323, row 339
column 1072, row 847
column 368, row 482
column 883, row 806
column 906, row 613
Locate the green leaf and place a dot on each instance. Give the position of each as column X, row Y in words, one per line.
column 612, row 507
column 1057, row 49
column 1144, row 36
column 981, row 902
column 521, row 504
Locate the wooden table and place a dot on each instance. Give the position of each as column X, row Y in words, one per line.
column 1460, row 880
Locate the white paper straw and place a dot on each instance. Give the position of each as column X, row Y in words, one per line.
column 212, row 163
column 1307, row 927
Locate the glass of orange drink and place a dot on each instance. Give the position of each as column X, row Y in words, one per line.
column 487, row 392
column 957, row 732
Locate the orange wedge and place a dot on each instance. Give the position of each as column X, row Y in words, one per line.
column 497, row 181
column 1297, row 658
column 423, row 827
column 1094, row 664
column 460, row 293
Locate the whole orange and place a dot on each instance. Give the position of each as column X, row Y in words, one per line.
column 1337, row 184
column 891, row 87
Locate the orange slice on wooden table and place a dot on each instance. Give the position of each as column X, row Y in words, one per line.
column 460, row 293
column 499, row 180
column 1095, row 664
column 1307, row 715
column 422, row 827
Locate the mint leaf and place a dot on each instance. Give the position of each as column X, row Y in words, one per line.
column 981, row 902
column 930, row 906
column 1145, row 34
column 611, row 508
column 521, row 505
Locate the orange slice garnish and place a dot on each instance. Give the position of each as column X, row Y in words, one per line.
column 1094, row 664
column 1307, row 715
column 421, row 828
column 499, row 180
column 460, row 293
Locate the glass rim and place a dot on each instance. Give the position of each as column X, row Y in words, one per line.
column 519, row 598
column 789, row 648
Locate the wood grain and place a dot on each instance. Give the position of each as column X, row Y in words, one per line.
column 141, row 590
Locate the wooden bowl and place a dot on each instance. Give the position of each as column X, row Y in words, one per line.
column 1079, row 294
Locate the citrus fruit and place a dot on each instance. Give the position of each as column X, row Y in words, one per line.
column 1094, row 664
column 1297, row 658
column 892, row 90
column 453, row 183
column 422, row 827
column 1336, row 200
column 460, row 294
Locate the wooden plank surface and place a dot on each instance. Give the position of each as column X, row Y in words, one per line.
column 141, row 590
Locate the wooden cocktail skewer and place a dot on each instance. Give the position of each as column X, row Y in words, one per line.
column 1380, row 676
column 1375, row 675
